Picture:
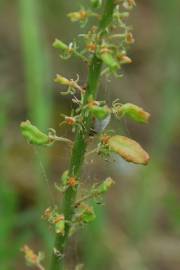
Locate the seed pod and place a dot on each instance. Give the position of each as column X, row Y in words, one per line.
column 62, row 80
column 87, row 214
column 124, row 59
column 129, row 38
column 105, row 186
column 134, row 112
column 59, row 224
column 110, row 61
column 99, row 112
column 96, row 3
column 33, row 135
column 128, row 149
column 64, row 177
column 58, row 44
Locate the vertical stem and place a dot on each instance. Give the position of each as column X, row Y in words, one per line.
column 80, row 144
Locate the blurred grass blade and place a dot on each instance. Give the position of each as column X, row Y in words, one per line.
column 35, row 63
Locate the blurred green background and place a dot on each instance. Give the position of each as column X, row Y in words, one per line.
column 139, row 227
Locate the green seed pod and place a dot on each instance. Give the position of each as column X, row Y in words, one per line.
column 105, row 186
column 88, row 214
column 62, row 80
column 58, row 44
column 99, row 112
column 128, row 149
column 33, row 135
column 60, row 226
column 96, row 3
column 134, row 112
column 109, row 60
column 64, row 178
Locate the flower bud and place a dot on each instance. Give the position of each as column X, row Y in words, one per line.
column 62, row 80
column 64, row 177
column 87, row 214
column 33, row 135
column 91, row 47
column 129, row 38
column 124, row 59
column 59, row 224
column 105, row 186
column 78, row 16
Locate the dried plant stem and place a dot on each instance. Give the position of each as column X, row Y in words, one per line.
column 79, row 149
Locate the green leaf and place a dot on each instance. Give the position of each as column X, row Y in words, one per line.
column 128, row 149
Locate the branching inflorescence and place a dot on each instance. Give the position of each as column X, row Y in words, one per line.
column 105, row 52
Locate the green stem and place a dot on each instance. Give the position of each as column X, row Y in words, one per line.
column 80, row 144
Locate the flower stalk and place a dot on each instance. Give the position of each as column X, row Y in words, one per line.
column 105, row 56
column 79, row 149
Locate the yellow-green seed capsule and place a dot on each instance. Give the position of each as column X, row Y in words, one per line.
column 62, row 80
column 99, row 112
column 58, row 44
column 33, row 135
column 105, row 186
column 128, row 149
column 109, row 60
column 65, row 177
column 96, row 3
column 88, row 214
column 60, row 224
column 134, row 112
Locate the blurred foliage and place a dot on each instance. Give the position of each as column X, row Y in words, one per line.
column 140, row 229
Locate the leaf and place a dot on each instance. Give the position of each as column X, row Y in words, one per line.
column 128, row 149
